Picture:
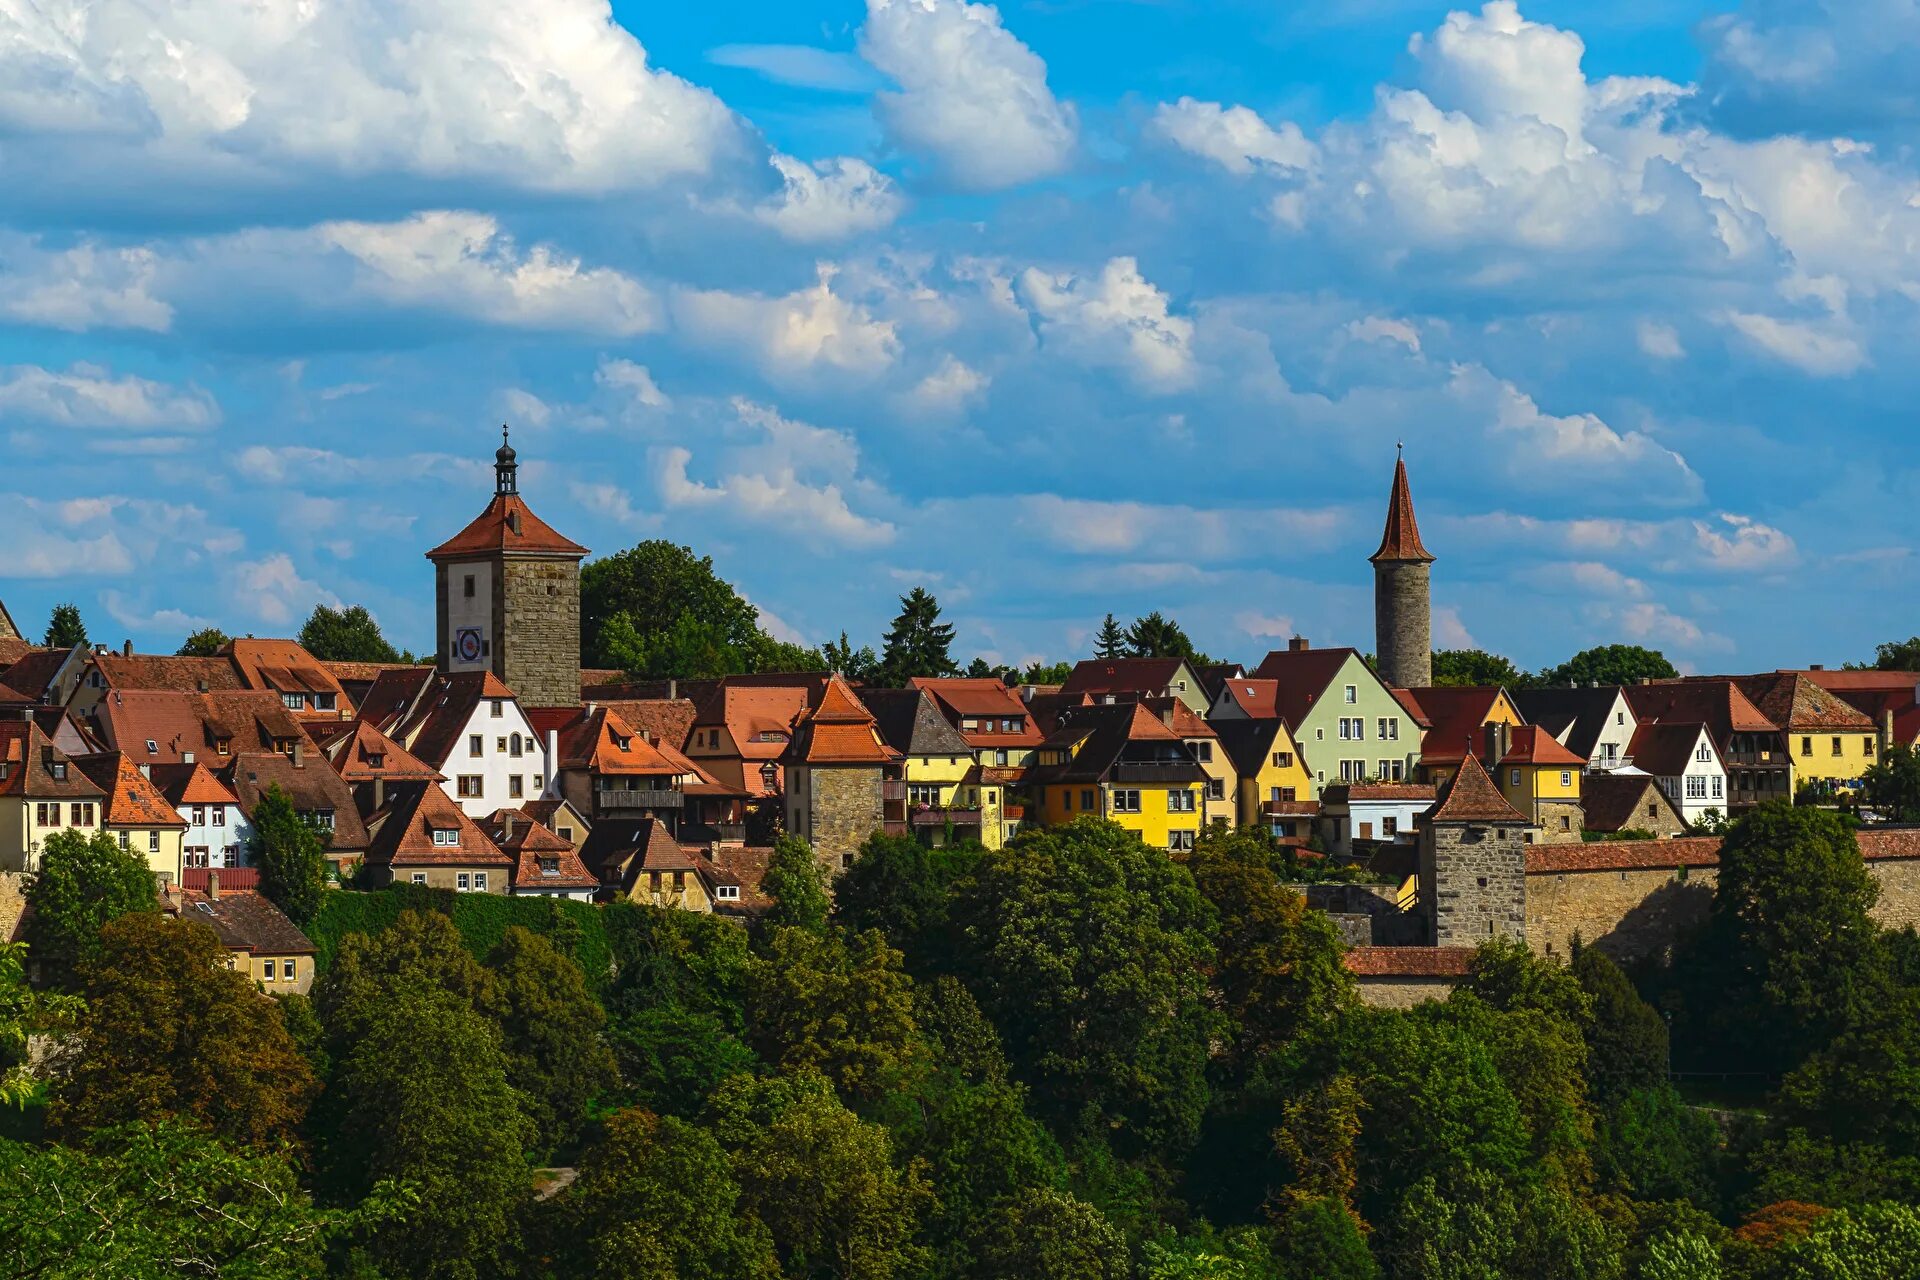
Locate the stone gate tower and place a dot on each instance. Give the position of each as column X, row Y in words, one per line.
column 507, row 596
column 1402, row 604
column 1473, row 862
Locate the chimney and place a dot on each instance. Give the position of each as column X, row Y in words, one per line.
column 1166, row 717
column 186, row 757
column 1818, row 666
column 673, row 688
column 1491, row 750
column 213, row 884
column 1298, row 645
column 1886, row 731
column 379, row 791
column 126, row 648
column 146, row 771
column 507, row 830
column 299, row 755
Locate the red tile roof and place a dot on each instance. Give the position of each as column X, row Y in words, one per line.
column 1798, row 704
column 507, row 524
column 1139, row 676
column 361, row 753
column 311, row 787
column 245, row 921
column 533, row 847
column 429, row 714
column 1665, row 747
column 189, row 784
column 665, row 721
column 1388, row 791
column 838, row 729
column 166, row 671
column 403, row 833
column 1716, row 703
column 1303, row 677
column 285, row 666
column 132, row 800
column 1530, row 744
column 1471, row 796
column 1623, row 855
column 1410, row 962
column 1254, row 696
column 1400, row 541
column 1455, row 717
column 30, row 766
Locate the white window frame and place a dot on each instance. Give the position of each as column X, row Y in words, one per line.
column 460, row 881
column 479, row 882
column 418, row 877
column 1351, row 695
column 1180, row 800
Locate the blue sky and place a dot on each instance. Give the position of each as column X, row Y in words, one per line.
column 1057, row 308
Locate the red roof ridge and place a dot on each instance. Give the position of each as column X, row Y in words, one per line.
column 1400, row 540
column 1471, row 796
column 1410, row 962
column 507, row 524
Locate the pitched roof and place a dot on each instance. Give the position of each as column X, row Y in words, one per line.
column 664, row 720
column 1249, row 744
column 1530, row 744
column 1798, row 704
column 1400, row 540
column 599, row 740
column 1576, row 715
column 189, row 784
column 1718, row 703
column 1410, row 962
column 35, row 670
column 1254, row 695
column 1470, row 796
column 132, row 800
column 1455, row 717
column 758, row 712
column 1114, row 735
column 1877, row 844
column 244, row 919
column 179, row 723
column 1612, row 801
column 31, row 766
column 285, row 666
column 910, row 722
column 507, row 524
column 1139, row 676
column 429, row 715
column 542, row 860
column 166, row 671
column 310, row 786
column 1394, row 792
column 361, row 753
column 836, row 729
column 1303, row 677
column 13, row 648
column 1664, row 748
column 403, row 832
column 1179, row 717
column 8, row 631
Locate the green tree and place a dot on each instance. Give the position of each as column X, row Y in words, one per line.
column 1611, row 664
column 204, row 643
column 1476, row 667
column 980, row 1148
column 1037, row 672
column 1873, row 1241
column 1086, row 949
column 84, row 881
column 904, row 889
column 163, row 1200
column 1110, row 641
column 64, row 628
column 797, row 886
column 821, row 1179
column 671, row 1059
column 1041, row 1231
column 290, row 854
column 858, row 665
column 551, row 1028
column 658, row 610
column 1157, row 636
column 918, row 643
column 1898, row 655
column 24, row 1011
column 1893, row 784
column 421, row 1098
column 346, row 635
column 1651, row 1145
column 1322, row 1240
column 656, row 1200
column 1681, row 1255
column 1626, row 1037
column 170, row 1032
column 837, row 1005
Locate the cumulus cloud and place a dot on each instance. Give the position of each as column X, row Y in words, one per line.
column 1814, row 349
column 799, row 65
column 792, row 333
column 1264, row 626
column 633, row 381
column 949, row 388
column 108, row 535
column 1097, row 527
column 1661, row 341
column 829, row 199
column 1815, row 66
column 1235, row 138
column 88, row 397
column 970, row 95
column 1741, row 544
column 272, row 590
column 552, row 95
column 1385, row 329
column 1577, row 446
column 1117, row 319
column 82, row 288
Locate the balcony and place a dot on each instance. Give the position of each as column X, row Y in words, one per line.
column 935, row 816
column 644, row 798
column 1603, row 763
column 893, row 789
column 1155, row 771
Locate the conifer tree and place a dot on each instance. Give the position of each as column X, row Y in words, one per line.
column 64, row 628
column 919, row 643
column 1111, row 641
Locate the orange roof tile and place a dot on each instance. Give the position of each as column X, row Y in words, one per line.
column 403, row 832
column 364, row 754
column 1400, row 541
column 838, row 729
column 132, row 800
column 508, row 524
column 1471, row 796
column 1410, row 962
column 542, row 860
column 1530, row 744
column 1255, row 696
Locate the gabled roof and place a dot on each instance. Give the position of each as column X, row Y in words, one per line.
column 403, row 832
column 1176, row 715
column 166, row 671
column 1612, row 801
column 1798, row 704
column 8, row 631
column 433, row 713
column 664, row 721
column 1455, row 718
column 132, row 800
column 311, row 786
column 179, row 724
column 837, row 729
column 507, row 525
column 1471, row 796
column 35, row 670
column 12, row 649
column 597, row 739
column 1110, row 735
column 1576, row 715
column 1665, row 747
column 1531, row 745
column 1254, row 695
column 285, row 666
column 910, row 722
column 758, row 711
column 532, row 846
column 1215, row 674
column 28, row 761
column 191, row 784
column 1138, row 676
column 361, row 753
column 1400, row 541
column 1718, row 703
column 244, row 919
column 1303, row 677
column 1249, row 744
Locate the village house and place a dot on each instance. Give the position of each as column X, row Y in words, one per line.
column 1123, row 763
column 1682, row 756
column 1540, row 778
column 136, row 814
column 1219, row 802
column 217, row 830
column 654, row 869
column 261, row 942
column 740, row 732
column 1348, row 724
column 42, row 791
column 470, row 728
column 1111, row 680
column 1272, row 787
column 947, row 800
column 842, row 777
column 1629, row 801
column 1751, row 748
column 422, row 837
column 1358, row 817
column 1595, row 722
column 1832, row 743
column 1454, row 721
column 544, row 865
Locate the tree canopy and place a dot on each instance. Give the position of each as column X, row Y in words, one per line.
column 657, row 610
column 1157, row 636
column 348, row 634
column 64, row 627
column 918, row 643
column 1611, row 664
column 291, row 856
column 204, row 643
column 84, row 881
column 1476, row 667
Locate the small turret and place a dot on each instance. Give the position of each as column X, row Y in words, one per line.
column 1402, row 593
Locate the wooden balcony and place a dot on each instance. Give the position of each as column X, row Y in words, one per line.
column 644, row 798
column 935, row 816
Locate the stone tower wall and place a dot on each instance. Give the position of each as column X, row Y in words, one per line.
column 536, row 644
column 1473, row 882
column 1403, row 623
column 845, row 808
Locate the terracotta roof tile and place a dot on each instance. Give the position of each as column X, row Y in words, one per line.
column 1471, row 796
column 1455, row 718
column 1256, row 697
column 542, row 860
column 1410, row 962
column 1623, row 855
column 507, row 524
column 245, row 921
column 31, row 767
column 1530, row 744
column 1138, row 676
column 311, row 787
column 132, row 800
column 837, row 729
column 361, row 753
column 1400, row 541
column 403, row 832
column 1798, row 704
column 1303, row 677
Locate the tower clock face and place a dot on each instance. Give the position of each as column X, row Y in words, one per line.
column 466, row 644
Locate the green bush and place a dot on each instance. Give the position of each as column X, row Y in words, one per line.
column 482, row 919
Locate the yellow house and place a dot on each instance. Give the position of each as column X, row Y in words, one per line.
column 1272, row 786
column 1454, row 721
column 137, row 814
column 1123, row 763
column 1541, row 778
column 261, row 942
column 949, row 796
column 1831, row 743
column 42, row 792
column 1219, row 803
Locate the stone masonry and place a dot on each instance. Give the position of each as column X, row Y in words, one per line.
column 1403, row 626
column 537, row 650
column 843, row 808
column 1559, row 821
column 1473, row 882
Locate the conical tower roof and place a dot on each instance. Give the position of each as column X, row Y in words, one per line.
column 1401, row 539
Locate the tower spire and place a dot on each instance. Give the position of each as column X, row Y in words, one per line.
column 1401, row 538
column 506, row 471
column 1402, row 600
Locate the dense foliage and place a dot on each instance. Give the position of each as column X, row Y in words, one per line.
column 349, row 634
column 658, row 610
column 65, row 628
column 291, row 855
column 1074, row 1057
column 84, row 882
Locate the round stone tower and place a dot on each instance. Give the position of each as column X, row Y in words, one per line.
column 1402, row 600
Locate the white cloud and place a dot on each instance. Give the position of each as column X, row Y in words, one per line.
column 1450, row 631
column 799, row 65
column 625, row 378
column 792, row 333
column 545, row 94
column 613, row 503
column 1813, row 349
column 271, row 590
column 525, row 408
column 1661, row 341
column 829, row 199
column 1386, row 329
column 1745, row 546
column 1119, row 319
column 949, row 388
column 1653, row 623
column 970, row 94
column 1581, row 441
column 87, row 396
column 139, row 617
column 107, row 535
column 1235, row 138
column 82, row 288
column 1264, row 625
column 1096, row 527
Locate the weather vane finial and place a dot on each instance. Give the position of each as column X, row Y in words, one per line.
column 1399, row 446
column 503, row 433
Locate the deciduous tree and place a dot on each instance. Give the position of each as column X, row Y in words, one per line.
column 658, row 610
column 797, row 886
column 1611, row 664
column 552, row 1030
column 1476, row 667
column 1042, row 1231
column 836, row 1004
column 1893, row 784
column 291, row 856
column 204, row 643
column 348, row 634
column 84, row 881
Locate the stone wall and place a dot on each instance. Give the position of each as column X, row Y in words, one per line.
column 844, row 808
column 537, row 651
column 1899, row 904
column 1560, row 821
column 1403, row 628
column 1400, row 992
column 1473, row 882
column 1629, row 913
column 13, row 901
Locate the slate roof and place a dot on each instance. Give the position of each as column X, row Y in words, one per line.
column 1471, row 796
column 132, row 800
column 402, row 832
column 910, row 722
column 1400, row 540
column 244, row 920
column 507, row 525
column 1615, row 800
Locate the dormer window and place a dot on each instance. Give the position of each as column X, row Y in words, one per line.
column 727, row 892
column 59, row 769
column 549, row 866
column 324, row 702
column 294, row 701
column 446, row 837
column 377, row 760
column 223, row 746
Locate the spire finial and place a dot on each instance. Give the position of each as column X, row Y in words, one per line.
column 505, row 467
column 1399, row 446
